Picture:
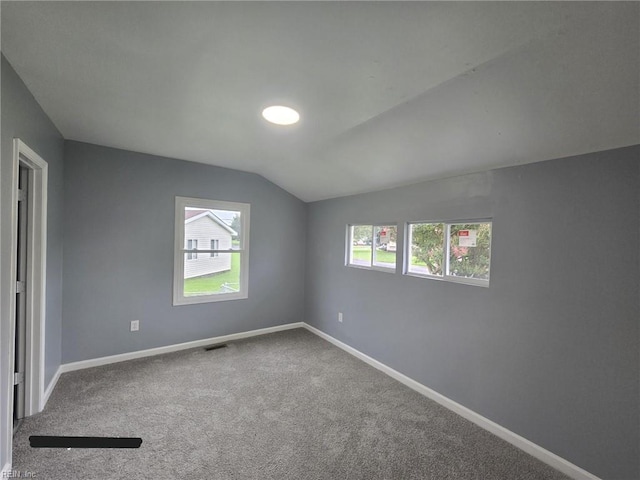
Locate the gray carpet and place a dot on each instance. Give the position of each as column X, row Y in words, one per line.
column 282, row 406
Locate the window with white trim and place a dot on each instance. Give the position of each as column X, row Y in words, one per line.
column 372, row 246
column 453, row 251
column 211, row 253
column 192, row 246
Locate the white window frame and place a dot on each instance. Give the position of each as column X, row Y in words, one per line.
column 481, row 282
column 349, row 245
column 408, row 236
column 179, row 252
column 215, row 245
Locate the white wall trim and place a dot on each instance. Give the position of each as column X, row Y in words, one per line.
column 179, row 250
column 516, row 440
column 5, row 470
column 37, row 274
column 123, row 357
column 51, row 386
column 36, row 288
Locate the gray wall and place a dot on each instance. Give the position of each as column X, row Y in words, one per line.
column 119, row 239
column 22, row 117
column 550, row 350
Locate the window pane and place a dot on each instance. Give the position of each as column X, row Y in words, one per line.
column 427, row 248
column 470, row 250
column 361, row 242
column 385, row 246
column 231, row 219
column 201, row 225
column 192, row 245
column 208, row 275
column 215, row 245
column 207, row 230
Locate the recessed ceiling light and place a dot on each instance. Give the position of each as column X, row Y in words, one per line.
column 281, row 115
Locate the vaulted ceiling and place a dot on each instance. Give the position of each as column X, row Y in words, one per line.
column 389, row 93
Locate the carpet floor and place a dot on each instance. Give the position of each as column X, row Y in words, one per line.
column 287, row 405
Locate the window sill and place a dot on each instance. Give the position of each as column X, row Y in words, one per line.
column 208, row 298
column 374, row 268
column 476, row 282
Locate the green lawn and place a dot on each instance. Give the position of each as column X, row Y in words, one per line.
column 364, row 253
column 415, row 261
column 209, row 284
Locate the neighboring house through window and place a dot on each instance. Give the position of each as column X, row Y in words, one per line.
column 220, row 232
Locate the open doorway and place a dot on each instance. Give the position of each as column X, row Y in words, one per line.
column 28, row 272
column 20, row 317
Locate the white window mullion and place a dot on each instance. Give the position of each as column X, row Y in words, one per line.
column 447, row 249
column 373, row 245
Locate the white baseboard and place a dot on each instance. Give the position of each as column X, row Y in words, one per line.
column 6, row 470
column 516, row 440
column 50, row 387
column 123, row 357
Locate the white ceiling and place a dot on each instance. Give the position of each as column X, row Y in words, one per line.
column 390, row 93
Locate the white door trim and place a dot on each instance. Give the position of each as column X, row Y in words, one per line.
column 36, row 279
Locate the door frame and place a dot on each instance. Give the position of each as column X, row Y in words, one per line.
column 36, row 277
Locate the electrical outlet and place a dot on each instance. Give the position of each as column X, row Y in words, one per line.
column 135, row 325
column 340, row 317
